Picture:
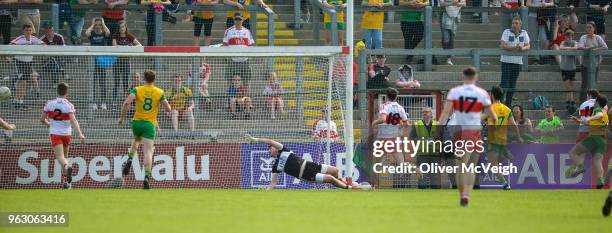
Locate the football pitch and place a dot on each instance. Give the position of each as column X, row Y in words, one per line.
column 201, row 210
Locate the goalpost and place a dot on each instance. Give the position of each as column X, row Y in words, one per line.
column 232, row 94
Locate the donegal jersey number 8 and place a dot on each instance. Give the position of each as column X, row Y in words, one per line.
column 148, row 104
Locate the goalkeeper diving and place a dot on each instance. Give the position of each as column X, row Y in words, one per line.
column 288, row 162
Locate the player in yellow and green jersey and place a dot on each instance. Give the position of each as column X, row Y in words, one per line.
column 498, row 133
column 595, row 143
column 144, row 124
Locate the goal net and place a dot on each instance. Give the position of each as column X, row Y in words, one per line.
column 295, row 95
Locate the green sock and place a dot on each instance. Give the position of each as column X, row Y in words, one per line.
column 147, row 173
column 131, row 154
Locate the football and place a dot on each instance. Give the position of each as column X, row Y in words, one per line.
column 5, row 93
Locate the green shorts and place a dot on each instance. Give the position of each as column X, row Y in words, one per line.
column 501, row 150
column 595, row 144
column 340, row 26
column 144, row 129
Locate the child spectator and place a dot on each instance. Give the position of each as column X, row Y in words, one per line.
column 205, row 73
column 321, row 128
column 274, row 91
column 180, row 99
column 549, row 127
column 568, row 70
column 562, row 25
column 378, row 74
column 448, row 25
column 238, row 95
column 406, row 77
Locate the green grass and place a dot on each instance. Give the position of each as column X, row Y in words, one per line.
column 194, row 210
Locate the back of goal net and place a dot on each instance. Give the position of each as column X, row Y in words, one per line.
column 295, row 95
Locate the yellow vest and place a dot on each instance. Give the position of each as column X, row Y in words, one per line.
column 422, row 133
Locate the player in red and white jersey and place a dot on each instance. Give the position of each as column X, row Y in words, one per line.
column 467, row 102
column 59, row 117
column 321, row 128
column 392, row 121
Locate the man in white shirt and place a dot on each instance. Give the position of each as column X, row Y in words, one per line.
column 24, row 66
column 514, row 39
column 238, row 36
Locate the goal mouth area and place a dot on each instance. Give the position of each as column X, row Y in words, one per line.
column 171, row 51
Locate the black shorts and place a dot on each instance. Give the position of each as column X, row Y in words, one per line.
column 311, row 170
column 568, row 75
column 600, row 23
column 199, row 22
column 24, row 69
column 230, row 22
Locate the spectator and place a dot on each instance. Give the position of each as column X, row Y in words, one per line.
column 99, row 35
column 568, row 70
column 6, row 21
column 243, row 10
column 508, row 13
column 30, row 16
column 412, row 24
column 406, row 77
column 53, row 68
column 538, row 24
column 562, row 25
column 122, row 68
column 136, row 81
column 203, row 19
column 378, row 74
column 448, row 24
column 181, row 101
column 238, row 36
column 591, row 41
column 339, row 6
column 427, row 129
column 274, row 91
column 24, row 67
column 111, row 16
column 514, row 39
column 524, row 124
column 373, row 22
column 205, row 73
column 155, row 7
column 321, row 128
column 600, row 8
column 549, row 127
column 238, row 95
column 75, row 18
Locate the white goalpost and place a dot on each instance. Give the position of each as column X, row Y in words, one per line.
column 219, row 93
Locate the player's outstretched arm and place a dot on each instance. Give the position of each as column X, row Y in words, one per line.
column 6, row 125
column 273, row 181
column 167, row 106
column 126, row 107
column 44, row 120
column 77, row 127
column 268, row 141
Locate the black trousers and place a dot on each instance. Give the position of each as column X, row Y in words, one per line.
column 121, row 74
column 5, row 28
column 100, row 84
column 510, row 74
column 413, row 34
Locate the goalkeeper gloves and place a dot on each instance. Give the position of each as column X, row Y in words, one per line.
column 250, row 138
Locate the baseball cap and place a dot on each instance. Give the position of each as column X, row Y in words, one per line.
column 238, row 15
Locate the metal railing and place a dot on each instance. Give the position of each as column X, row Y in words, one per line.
column 254, row 9
column 475, row 55
column 333, row 13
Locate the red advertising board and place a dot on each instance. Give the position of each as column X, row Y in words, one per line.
column 99, row 165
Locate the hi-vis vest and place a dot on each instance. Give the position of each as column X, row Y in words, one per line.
column 423, row 134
